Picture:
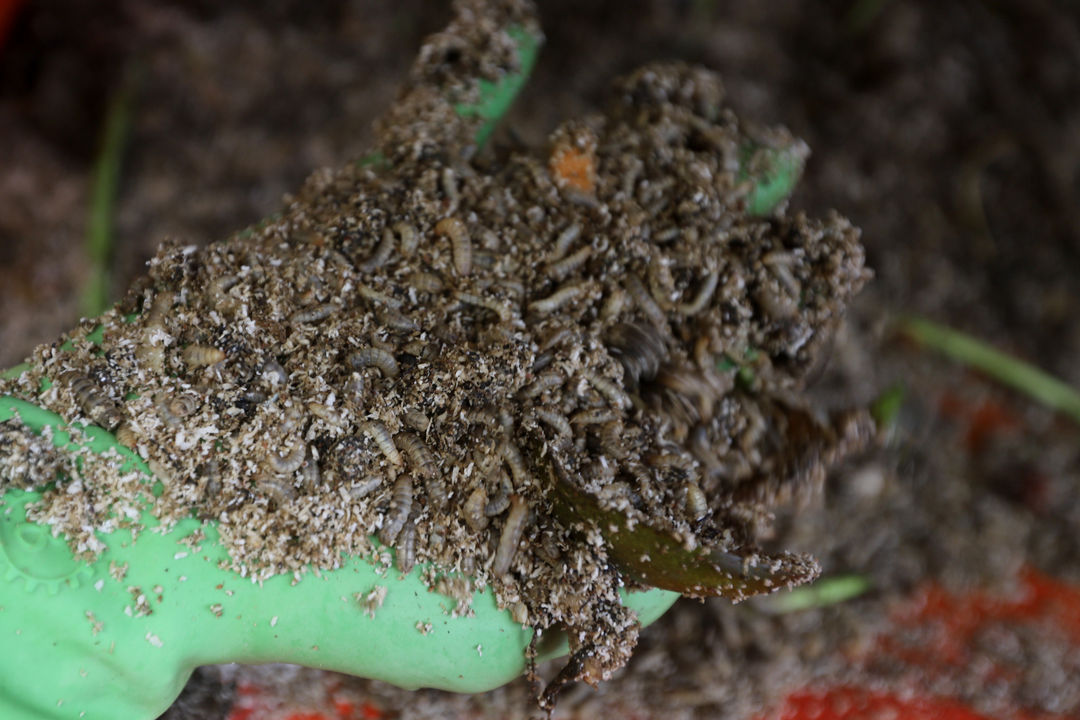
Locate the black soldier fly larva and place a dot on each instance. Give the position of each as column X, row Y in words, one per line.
column 473, row 509
column 376, row 358
column 510, row 537
column 461, row 244
column 378, row 432
column 93, row 400
column 314, row 314
column 197, row 356
column 401, row 502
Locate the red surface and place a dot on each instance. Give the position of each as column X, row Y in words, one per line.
column 946, row 626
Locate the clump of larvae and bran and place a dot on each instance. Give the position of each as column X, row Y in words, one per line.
column 424, row 348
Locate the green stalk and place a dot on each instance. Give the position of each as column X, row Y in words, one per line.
column 106, row 180
column 1006, row 369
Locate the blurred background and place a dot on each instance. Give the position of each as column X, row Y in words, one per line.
column 948, row 131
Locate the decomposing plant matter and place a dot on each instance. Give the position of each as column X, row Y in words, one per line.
column 527, row 371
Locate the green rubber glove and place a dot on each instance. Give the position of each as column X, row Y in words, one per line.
column 119, row 637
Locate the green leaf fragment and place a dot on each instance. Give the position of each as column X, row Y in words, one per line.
column 1028, row 379
column 497, row 97
column 774, row 172
column 657, row 558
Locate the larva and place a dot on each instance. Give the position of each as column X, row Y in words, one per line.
column 448, row 181
column 202, row 355
column 563, row 296
column 382, row 437
column 555, row 419
column 511, row 535
column 515, row 462
column 460, row 243
column 569, row 264
column 162, row 303
column 497, row 504
column 377, row 358
column 505, row 312
column 279, row 490
column 611, row 392
column 544, row 382
column 125, row 435
column 417, row 420
column 644, row 300
column 696, row 503
column 379, row 298
column 400, row 506
column 564, row 240
column 171, row 408
column 704, row 294
column 409, row 237
column 405, row 549
column 419, row 454
column 396, row 320
column 291, row 461
column 473, row 510
column 310, row 473
column 614, row 303
column 93, row 400
column 382, row 253
column 314, row 314
column 326, row 414
column 365, row 487
column 592, row 416
column 426, row 282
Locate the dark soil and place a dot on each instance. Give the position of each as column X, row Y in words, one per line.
column 950, row 132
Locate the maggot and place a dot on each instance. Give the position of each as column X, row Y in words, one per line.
column 473, row 509
column 511, row 535
column 291, row 461
column 377, row 358
column 569, row 264
column 405, row 549
column 453, row 228
column 382, row 253
column 125, row 435
column 564, row 240
column 704, row 294
column 544, row 382
column 326, row 414
column 555, row 419
column 379, row 298
column 505, row 312
column 696, row 503
column 400, row 506
column 280, row 490
column 202, row 355
column 377, row 431
column 592, row 416
column 172, row 408
column 563, row 296
column 426, row 282
column 421, row 459
column 644, row 300
column 510, row 453
column 409, row 237
column 612, row 392
column 93, row 400
column 417, row 420
column 314, row 314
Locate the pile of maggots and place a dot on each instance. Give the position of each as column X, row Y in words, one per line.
column 419, row 339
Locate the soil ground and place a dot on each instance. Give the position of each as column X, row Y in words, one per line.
column 950, row 132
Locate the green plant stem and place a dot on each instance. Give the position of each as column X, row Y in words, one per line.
column 106, row 180
column 1006, row 369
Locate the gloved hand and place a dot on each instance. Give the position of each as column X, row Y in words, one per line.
column 118, row 637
